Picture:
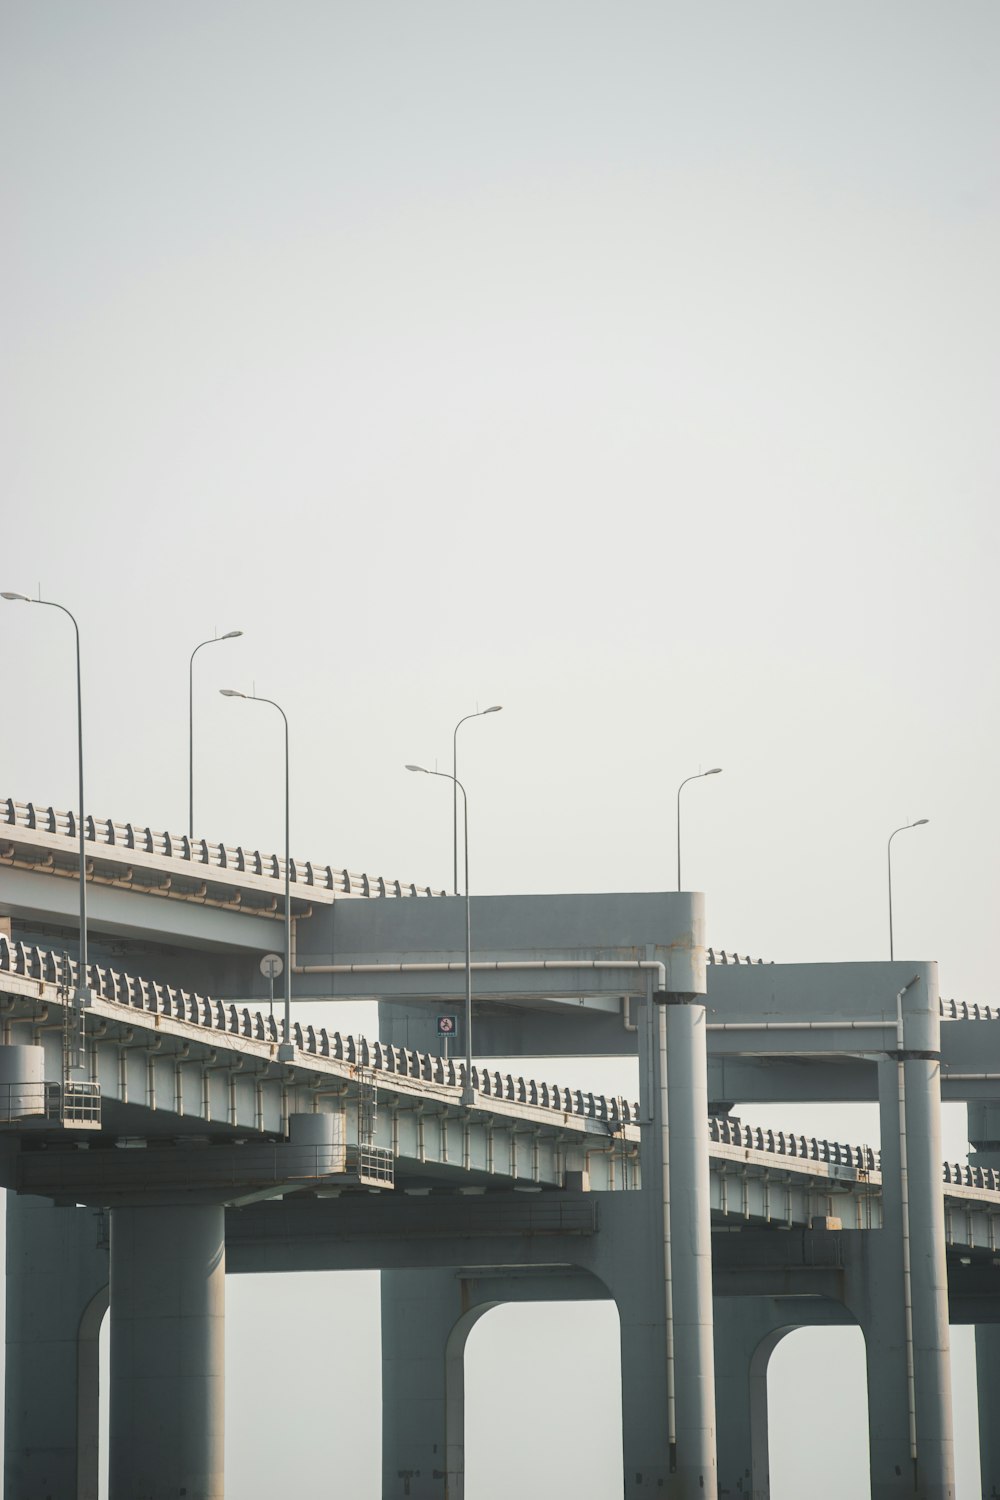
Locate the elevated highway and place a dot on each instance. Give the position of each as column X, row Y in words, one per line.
column 182, row 1077
column 211, row 1152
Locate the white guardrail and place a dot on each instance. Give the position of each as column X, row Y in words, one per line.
column 202, row 855
column 44, row 966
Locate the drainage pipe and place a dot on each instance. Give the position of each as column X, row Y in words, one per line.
column 491, row 966
column 799, row 1025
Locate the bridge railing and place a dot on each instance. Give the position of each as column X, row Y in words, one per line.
column 720, row 956
column 961, row 1010
column 32, row 962
column 962, row 1175
column 42, row 964
column 204, row 853
column 731, row 1132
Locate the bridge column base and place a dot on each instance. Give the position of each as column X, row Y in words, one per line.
column 907, row 1391
column 988, row 1385
column 57, row 1277
column 696, row 1472
column 423, row 1385
column 167, row 1353
column 747, row 1329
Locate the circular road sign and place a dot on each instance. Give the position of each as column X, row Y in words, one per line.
column 271, row 965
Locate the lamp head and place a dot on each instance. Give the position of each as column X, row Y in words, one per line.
column 231, row 693
column 417, row 768
column 231, row 635
column 494, row 710
column 919, row 822
column 715, row 771
column 23, row 597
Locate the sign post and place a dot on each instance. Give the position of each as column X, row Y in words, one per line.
column 447, row 1026
column 271, row 966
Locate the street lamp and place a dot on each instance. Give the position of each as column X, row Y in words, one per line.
column 715, row 771
column 918, row 823
column 468, row 1095
column 454, row 776
column 286, row 1050
column 230, row 635
column 82, row 988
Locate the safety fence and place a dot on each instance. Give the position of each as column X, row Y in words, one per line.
column 720, row 956
column 41, row 964
column 202, row 854
column 31, row 962
column 961, row 1010
column 728, row 1131
column 67, row 1103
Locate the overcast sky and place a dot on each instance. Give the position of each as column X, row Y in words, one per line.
column 633, row 366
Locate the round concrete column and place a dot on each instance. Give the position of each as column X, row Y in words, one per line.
column 931, row 1340
column 696, row 1477
column 167, row 1353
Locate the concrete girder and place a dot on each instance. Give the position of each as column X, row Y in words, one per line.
column 35, row 897
column 601, row 926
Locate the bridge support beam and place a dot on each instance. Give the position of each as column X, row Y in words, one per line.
column 167, row 1353
column 57, row 1278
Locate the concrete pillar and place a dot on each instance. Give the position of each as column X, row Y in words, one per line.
column 988, row 1387
column 984, row 1138
column 875, row 1292
column 423, row 1385
column 745, row 1338
column 878, row 1292
column 645, row 1450
column 57, row 1274
column 630, row 1259
column 696, row 1476
column 167, row 1353
column 929, row 1274
column 455, row 1466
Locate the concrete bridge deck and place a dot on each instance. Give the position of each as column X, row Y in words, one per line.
column 163, row 1081
column 211, row 1144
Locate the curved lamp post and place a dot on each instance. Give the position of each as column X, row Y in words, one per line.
column 454, row 776
column 230, row 635
column 918, row 823
column 286, row 1049
column 715, row 771
column 82, row 988
column 468, row 1094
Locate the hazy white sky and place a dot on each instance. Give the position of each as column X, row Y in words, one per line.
column 635, row 367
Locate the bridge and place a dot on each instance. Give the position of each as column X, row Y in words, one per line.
column 155, row 1140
